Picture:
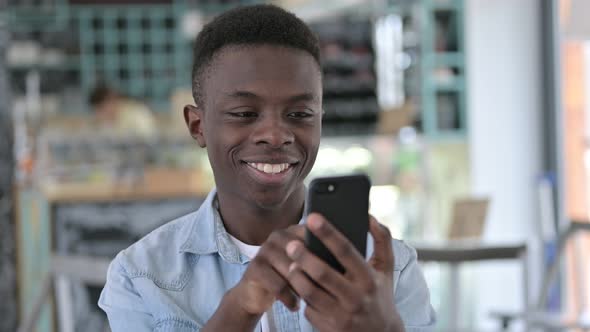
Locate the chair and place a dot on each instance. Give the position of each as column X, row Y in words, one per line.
column 537, row 317
column 63, row 270
column 463, row 246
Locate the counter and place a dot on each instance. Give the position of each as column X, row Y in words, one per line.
column 94, row 219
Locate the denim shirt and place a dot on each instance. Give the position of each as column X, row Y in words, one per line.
column 174, row 278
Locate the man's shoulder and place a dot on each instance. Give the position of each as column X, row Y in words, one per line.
column 404, row 254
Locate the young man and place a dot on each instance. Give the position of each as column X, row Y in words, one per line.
column 121, row 115
column 238, row 263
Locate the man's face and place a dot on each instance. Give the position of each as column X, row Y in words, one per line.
column 260, row 122
column 106, row 110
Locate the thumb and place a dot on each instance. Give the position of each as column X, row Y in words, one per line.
column 382, row 259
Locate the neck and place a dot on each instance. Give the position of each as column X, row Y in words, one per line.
column 253, row 224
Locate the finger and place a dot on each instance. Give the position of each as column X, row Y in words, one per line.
column 289, row 298
column 273, row 251
column 383, row 258
column 309, row 292
column 340, row 247
column 261, row 286
column 324, row 275
column 271, row 264
column 298, row 231
column 263, row 275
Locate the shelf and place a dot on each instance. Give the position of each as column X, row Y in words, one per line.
column 157, row 184
column 457, row 85
column 444, row 4
column 349, row 83
column 313, row 11
column 71, row 64
column 113, row 10
column 448, row 136
column 214, row 9
column 31, row 17
column 139, row 50
column 446, row 59
column 348, row 62
column 443, row 88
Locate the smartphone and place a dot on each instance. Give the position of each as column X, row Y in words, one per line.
column 343, row 201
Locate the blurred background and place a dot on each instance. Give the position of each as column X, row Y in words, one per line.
column 472, row 118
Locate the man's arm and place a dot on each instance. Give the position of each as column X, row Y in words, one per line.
column 229, row 315
column 122, row 304
column 412, row 297
column 127, row 311
column 263, row 283
column 241, row 307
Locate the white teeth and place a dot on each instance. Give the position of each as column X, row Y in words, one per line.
column 270, row 168
column 276, row 168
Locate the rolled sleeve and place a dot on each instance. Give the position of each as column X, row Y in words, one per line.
column 123, row 305
column 412, row 297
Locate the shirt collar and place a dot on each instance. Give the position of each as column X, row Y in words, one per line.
column 226, row 247
column 206, row 234
column 199, row 233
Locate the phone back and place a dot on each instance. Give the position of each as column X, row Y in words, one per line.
column 343, row 201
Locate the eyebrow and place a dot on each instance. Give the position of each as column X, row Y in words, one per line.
column 307, row 96
column 243, row 94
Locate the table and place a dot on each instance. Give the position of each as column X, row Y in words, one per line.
column 458, row 252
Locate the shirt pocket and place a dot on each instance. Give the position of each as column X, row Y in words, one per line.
column 172, row 279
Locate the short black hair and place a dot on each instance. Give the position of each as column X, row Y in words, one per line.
column 249, row 25
column 100, row 93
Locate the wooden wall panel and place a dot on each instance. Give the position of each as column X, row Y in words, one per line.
column 575, row 105
column 574, row 102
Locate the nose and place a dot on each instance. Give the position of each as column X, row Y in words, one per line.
column 273, row 131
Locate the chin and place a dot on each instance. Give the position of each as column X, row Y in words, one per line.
column 270, row 200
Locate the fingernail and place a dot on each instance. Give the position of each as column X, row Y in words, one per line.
column 315, row 222
column 293, row 249
column 292, row 267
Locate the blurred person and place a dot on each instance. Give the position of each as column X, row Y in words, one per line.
column 239, row 262
column 123, row 115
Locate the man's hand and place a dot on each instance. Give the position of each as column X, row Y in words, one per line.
column 359, row 300
column 264, row 282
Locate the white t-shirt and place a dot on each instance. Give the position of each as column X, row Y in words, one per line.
column 251, row 251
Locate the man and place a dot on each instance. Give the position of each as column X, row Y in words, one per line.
column 121, row 115
column 238, row 263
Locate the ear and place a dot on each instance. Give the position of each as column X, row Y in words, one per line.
column 193, row 117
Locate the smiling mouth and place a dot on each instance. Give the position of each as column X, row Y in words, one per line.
column 270, row 168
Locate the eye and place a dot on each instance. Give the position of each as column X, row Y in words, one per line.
column 301, row 114
column 243, row 114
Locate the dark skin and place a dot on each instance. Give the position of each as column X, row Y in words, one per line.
column 361, row 299
column 262, row 105
column 268, row 112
